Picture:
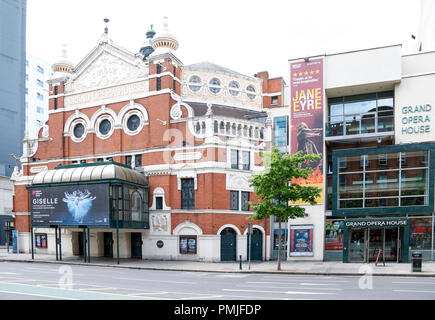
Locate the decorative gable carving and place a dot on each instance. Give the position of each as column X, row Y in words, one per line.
column 106, row 69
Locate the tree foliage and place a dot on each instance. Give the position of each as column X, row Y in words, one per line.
column 275, row 192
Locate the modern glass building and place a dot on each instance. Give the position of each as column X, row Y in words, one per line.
column 378, row 144
column 12, row 80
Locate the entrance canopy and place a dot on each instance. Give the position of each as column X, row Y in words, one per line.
column 90, row 172
column 106, row 194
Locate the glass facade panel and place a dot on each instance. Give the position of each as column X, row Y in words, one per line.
column 413, row 182
column 415, row 159
column 382, row 184
column 351, row 186
column 361, row 114
column 383, row 180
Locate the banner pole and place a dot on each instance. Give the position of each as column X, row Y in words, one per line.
column 89, row 245
column 117, row 223
column 60, row 244
column 57, row 254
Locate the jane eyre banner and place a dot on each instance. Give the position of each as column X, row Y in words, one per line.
column 306, row 128
column 301, row 241
column 70, row 205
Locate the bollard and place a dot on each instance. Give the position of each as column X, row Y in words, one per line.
column 240, row 262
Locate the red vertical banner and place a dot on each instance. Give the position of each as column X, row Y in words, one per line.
column 306, row 114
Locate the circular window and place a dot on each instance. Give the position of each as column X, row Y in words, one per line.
column 195, row 83
column 133, row 123
column 79, row 130
column 214, row 86
column 234, row 88
column 105, row 127
column 250, row 91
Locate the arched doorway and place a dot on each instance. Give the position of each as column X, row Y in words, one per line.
column 256, row 245
column 228, row 245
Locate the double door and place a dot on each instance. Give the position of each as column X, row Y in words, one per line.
column 365, row 244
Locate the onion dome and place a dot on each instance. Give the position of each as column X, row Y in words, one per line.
column 147, row 48
column 165, row 39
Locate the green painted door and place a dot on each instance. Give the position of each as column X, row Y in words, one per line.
column 108, row 244
column 228, row 245
column 136, row 245
column 256, row 245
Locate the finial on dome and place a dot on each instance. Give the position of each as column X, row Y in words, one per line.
column 106, row 29
column 164, row 38
column 62, row 64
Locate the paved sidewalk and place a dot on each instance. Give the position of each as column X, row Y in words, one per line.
column 288, row 267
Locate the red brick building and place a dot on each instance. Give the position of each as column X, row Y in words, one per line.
column 195, row 132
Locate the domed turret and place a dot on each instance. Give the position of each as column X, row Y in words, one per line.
column 165, row 39
column 147, row 48
column 62, row 66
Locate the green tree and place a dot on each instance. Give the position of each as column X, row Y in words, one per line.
column 275, row 192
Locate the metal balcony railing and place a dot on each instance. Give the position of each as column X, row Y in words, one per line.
column 359, row 124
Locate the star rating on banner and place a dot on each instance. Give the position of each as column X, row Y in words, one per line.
column 306, row 73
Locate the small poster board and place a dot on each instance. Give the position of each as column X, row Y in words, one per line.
column 41, row 240
column 301, row 240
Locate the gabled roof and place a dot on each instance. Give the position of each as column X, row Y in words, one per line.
column 211, row 67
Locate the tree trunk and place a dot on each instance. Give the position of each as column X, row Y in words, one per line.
column 279, row 244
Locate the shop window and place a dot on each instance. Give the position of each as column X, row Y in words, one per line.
column 334, row 233
column 420, row 233
column 188, row 244
column 187, row 194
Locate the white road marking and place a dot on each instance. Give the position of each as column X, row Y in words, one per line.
column 416, row 291
column 233, row 276
column 410, row 282
column 287, row 287
column 95, row 289
column 9, row 273
column 314, row 284
column 160, row 281
column 37, row 295
column 278, row 292
column 271, row 282
column 206, row 297
column 146, row 293
column 300, row 292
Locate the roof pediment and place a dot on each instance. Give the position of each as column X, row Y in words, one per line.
column 106, row 65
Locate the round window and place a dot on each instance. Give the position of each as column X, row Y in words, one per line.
column 195, row 83
column 250, row 91
column 133, row 123
column 105, row 127
column 215, row 85
column 234, row 88
column 79, row 130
